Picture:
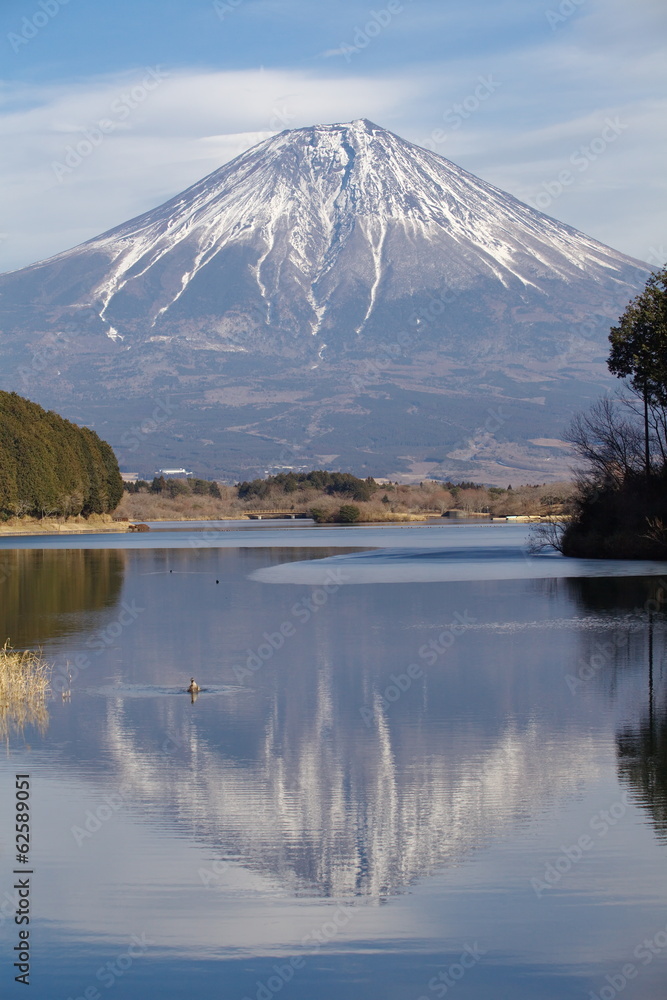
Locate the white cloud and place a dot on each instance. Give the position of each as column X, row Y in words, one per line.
column 553, row 96
column 162, row 140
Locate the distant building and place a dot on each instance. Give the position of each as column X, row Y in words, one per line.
column 173, row 472
column 129, row 477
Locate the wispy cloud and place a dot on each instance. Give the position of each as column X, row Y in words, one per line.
column 184, row 129
column 557, row 84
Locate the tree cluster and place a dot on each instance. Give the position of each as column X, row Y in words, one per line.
column 51, row 467
column 333, row 483
column 173, row 488
column 639, row 354
column 621, row 507
column 347, row 513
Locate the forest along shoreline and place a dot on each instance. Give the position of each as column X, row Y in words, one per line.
column 326, row 498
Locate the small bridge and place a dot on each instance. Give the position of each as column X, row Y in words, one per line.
column 261, row 515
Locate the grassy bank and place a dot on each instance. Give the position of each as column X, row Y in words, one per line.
column 24, row 686
column 55, row 526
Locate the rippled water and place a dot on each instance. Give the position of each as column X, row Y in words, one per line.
column 423, row 763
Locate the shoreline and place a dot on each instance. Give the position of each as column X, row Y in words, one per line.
column 123, row 527
column 70, row 529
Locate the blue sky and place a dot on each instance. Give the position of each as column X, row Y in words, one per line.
column 560, row 102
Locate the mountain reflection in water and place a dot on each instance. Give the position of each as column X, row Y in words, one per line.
column 285, row 773
column 231, row 829
column 335, row 812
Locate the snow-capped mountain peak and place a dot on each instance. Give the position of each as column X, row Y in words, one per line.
column 315, row 214
column 325, row 250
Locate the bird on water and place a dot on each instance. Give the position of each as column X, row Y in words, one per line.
column 194, row 687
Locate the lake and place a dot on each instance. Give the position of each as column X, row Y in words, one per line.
column 424, row 763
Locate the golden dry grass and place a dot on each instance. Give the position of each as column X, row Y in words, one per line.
column 24, row 687
column 54, row 526
column 402, row 503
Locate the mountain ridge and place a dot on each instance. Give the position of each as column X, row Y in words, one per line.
column 340, row 252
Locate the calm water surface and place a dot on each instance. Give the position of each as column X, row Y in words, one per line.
column 423, row 764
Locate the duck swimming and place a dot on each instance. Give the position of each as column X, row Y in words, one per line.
column 194, row 687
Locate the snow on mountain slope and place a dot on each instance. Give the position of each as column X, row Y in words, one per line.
column 313, row 234
column 335, row 295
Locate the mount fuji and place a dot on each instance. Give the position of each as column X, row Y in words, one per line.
column 335, row 295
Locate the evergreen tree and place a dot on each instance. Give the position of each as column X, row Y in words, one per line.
column 50, row 466
column 639, row 352
column 159, row 484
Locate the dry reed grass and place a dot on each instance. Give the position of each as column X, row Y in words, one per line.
column 24, row 686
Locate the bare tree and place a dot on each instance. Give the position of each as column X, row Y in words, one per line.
column 547, row 534
column 610, row 445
